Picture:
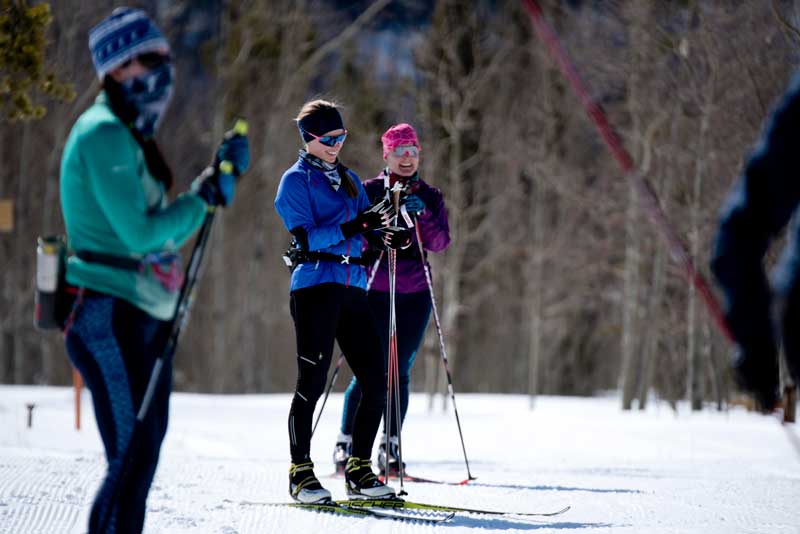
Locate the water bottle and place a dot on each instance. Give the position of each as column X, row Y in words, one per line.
column 50, row 258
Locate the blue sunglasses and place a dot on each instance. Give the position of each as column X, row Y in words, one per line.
column 328, row 140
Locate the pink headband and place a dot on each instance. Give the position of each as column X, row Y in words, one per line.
column 399, row 135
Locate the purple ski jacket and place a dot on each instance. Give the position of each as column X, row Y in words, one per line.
column 435, row 232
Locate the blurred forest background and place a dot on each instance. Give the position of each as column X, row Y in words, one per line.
column 555, row 283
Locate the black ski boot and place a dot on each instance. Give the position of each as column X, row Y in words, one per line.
column 394, row 457
column 361, row 482
column 304, row 486
column 341, row 452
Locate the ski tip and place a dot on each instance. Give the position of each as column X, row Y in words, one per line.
column 559, row 512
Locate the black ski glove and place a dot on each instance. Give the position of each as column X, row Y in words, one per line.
column 397, row 238
column 214, row 186
column 379, row 215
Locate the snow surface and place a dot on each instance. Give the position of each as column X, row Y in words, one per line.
column 637, row 472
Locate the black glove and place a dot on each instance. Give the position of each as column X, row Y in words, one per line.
column 379, row 215
column 396, row 237
column 371, row 255
column 756, row 371
column 214, row 187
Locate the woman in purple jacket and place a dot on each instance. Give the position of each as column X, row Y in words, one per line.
column 425, row 206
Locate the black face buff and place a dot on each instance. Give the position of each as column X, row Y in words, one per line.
column 319, row 122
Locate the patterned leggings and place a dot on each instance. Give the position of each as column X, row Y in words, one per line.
column 114, row 346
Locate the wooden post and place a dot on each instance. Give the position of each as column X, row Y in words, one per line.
column 6, row 215
column 77, row 384
column 30, row 406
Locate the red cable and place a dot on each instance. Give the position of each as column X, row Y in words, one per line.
column 648, row 199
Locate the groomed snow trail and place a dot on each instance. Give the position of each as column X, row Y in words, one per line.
column 653, row 472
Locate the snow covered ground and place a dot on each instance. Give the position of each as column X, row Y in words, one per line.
column 652, row 472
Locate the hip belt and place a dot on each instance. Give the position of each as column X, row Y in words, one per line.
column 298, row 256
column 166, row 267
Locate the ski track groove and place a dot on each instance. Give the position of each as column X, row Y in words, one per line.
column 45, row 495
column 657, row 473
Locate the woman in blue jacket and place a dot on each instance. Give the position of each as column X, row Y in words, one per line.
column 325, row 207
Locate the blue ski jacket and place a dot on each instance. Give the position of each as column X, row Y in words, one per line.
column 307, row 200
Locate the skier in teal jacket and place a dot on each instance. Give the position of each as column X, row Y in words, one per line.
column 124, row 236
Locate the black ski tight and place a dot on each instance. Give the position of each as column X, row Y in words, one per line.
column 322, row 314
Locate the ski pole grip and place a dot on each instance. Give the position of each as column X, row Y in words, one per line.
column 226, row 167
column 240, row 127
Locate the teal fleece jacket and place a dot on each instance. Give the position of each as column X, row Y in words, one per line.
column 111, row 204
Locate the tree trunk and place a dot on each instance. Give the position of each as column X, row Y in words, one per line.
column 454, row 258
column 21, row 208
column 651, row 334
column 630, row 349
column 695, row 379
column 630, row 306
column 222, row 360
column 534, row 288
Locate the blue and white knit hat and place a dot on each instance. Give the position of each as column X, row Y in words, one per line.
column 127, row 33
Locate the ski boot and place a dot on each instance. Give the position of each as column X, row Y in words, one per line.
column 361, row 482
column 341, row 453
column 304, row 486
column 393, row 462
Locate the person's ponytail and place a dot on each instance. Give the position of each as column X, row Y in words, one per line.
column 348, row 182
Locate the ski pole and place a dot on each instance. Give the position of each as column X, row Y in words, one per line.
column 178, row 322
column 648, row 200
column 393, row 375
column 442, row 350
column 394, row 357
column 340, row 360
column 334, row 376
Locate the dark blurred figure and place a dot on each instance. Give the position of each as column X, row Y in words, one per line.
column 763, row 202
